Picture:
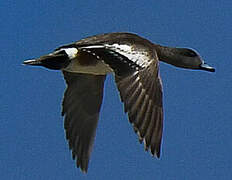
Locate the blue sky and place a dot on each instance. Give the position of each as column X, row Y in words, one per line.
column 197, row 127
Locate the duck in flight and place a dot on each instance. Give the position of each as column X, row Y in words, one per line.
column 134, row 61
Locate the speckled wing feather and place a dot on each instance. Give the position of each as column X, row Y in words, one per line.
column 139, row 84
column 141, row 92
column 81, row 106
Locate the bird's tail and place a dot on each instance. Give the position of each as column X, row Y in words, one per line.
column 56, row 60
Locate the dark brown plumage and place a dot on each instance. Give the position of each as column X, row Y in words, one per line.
column 135, row 64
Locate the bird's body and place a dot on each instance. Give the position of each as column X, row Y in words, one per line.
column 135, row 64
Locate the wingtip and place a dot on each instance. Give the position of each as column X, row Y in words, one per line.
column 155, row 154
column 83, row 165
column 84, row 171
column 158, row 154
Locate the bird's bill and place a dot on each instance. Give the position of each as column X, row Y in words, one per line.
column 206, row 67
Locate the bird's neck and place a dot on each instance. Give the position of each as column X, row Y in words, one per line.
column 170, row 55
column 166, row 54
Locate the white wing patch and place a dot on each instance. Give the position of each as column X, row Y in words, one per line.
column 71, row 52
column 123, row 47
column 141, row 58
column 93, row 47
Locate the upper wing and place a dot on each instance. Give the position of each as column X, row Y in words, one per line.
column 139, row 84
column 141, row 92
column 81, row 106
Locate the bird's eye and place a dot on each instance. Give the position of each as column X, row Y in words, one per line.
column 188, row 52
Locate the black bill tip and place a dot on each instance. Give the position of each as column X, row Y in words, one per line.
column 206, row 67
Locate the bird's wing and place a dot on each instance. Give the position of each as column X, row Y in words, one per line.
column 140, row 87
column 81, row 106
column 141, row 92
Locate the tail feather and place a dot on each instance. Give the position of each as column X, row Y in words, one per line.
column 54, row 61
column 33, row 62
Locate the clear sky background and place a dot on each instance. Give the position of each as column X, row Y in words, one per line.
column 198, row 122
